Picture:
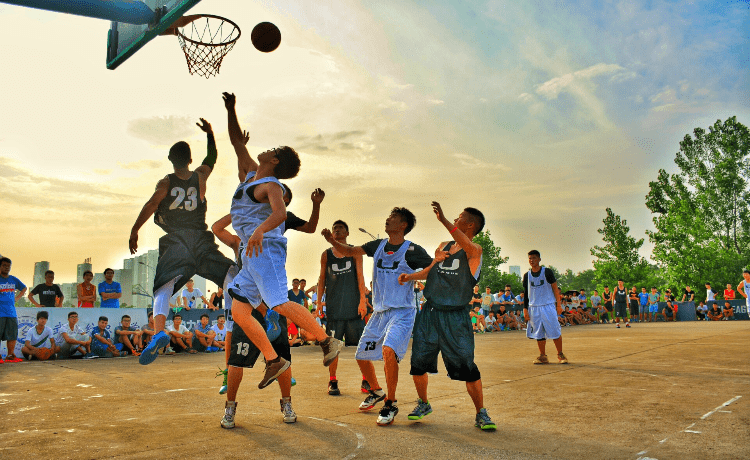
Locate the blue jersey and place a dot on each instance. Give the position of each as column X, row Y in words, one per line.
column 8, row 288
column 110, row 288
column 248, row 214
column 643, row 297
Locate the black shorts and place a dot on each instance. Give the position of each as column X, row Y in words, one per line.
column 621, row 310
column 448, row 332
column 608, row 306
column 189, row 253
column 351, row 329
column 634, row 308
column 8, row 329
column 244, row 353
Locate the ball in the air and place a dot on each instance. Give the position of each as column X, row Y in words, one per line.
column 266, row 37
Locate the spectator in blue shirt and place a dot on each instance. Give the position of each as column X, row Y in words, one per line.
column 643, row 300
column 205, row 335
column 109, row 290
column 9, row 284
column 101, row 344
column 582, row 298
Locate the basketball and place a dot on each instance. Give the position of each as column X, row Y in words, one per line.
column 44, row 354
column 266, row 37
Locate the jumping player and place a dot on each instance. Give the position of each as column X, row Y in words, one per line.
column 621, row 304
column 386, row 335
column 179, row 208
column 443, row 325
column 343, row 282
column 541, row 297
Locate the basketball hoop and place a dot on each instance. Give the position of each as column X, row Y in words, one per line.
column 205, row 39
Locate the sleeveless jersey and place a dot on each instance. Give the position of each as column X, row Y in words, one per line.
column 450, row 284
column 387, row 293
column 621, row 296
column 342, row 288
column 746, row 286
column 182, row 208
column 248, row 214
column 540, row 291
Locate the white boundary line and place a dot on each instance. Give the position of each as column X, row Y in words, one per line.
column 360, row 436
column 721, row 407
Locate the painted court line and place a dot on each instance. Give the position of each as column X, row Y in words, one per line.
column 360, row 436
column 721, row 407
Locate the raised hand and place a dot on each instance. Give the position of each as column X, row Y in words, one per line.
column 438, row 211
column 204, row 126
column 245, row 137
column 327, row 235
column 229, row 100
column 441, row 255
column 317, row 196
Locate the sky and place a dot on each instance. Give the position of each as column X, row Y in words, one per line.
column 540, row 114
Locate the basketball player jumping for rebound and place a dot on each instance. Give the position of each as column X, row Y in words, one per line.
column 541, row 305
column 258, row 212
column 386, row 335
column 179, row 207
column 444, row 325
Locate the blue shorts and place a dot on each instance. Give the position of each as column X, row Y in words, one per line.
column 263, row 277
column 653, row 308
column 391, row 328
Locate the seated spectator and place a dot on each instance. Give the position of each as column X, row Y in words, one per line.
column 181, row 338
column 191, row 295
column 216, row 302
column 477, row 319
column 518, row 300
column 50, row 294
column 491, row 322
column 128, row 338
column 308, row 338
column 293, row 334
column 86, row 291
column 585, row 315
column 73, row 339
column 562, row 319
column 101, row 343
column 204, row 335
column 570, row 316
column 519, row 320
column 700, row 311
column 729, row 293
column 511, row 321
column 40, row 340
column 728, row 312
column 506, row 299
column 669, row 311
column 502, row 316
column 220, row 333
column 147, row 330
column 715, row 313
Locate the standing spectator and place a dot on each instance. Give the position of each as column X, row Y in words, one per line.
column 204, row 335
column 487, row 301
column 220, row 333
column 216, row 302
column 110, row 291
column 710, row 293
column 182, row 339
column 643, row 305
column 607, row 298
column 295, row 294
column 582, row 298
column 128, row 338
column 101, row 344
column 701, row 311
column 419, row 294
column 9, row 284
column 729, row 292
column 653, row 304
column 688, row 294
column 728, row 311
column 596, row 306
column 715, row 313
column 634, row 304
column 744, row 287
column 40, row 342
column 190, row 296
column 621, row 304
column 71, row 338
column 302, row 286
column 86, row 291
column 476, row 298
column 50, row 294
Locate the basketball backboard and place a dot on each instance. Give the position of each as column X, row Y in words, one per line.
column 125, row 39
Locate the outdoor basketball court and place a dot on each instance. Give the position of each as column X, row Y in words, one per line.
column 662, row 391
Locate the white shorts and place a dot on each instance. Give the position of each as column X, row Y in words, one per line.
column 543, row 323
column 391, row 328
column 263, row 277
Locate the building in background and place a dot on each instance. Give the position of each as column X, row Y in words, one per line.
column 70, row 294
column 86, row 265
column 39, row 269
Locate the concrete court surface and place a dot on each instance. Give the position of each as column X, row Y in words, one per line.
column 659, row 391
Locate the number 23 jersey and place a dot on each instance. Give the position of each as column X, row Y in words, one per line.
column 182, row 209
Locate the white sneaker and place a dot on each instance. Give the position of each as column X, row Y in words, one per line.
column 286, row 409
column 230, row 410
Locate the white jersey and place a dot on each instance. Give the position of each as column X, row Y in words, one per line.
column 248, row 214
column 387, row 293
column 710, row 295
column 220, row 333
column 746, row 287
column 72, row 333
column 540, row 291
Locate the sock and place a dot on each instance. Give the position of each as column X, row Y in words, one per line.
column 162, row 295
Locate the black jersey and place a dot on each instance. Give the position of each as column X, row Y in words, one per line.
column 450, row 284
column 342, row 288
column 182, row 209
column 621, row 296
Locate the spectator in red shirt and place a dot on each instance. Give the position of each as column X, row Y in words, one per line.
column 729, row 293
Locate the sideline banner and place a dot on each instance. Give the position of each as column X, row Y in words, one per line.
column 88, row 318
column 739, row 305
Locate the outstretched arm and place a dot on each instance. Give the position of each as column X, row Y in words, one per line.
column 204, row 170
column 148, row 210
column 440, row 256
column 245, row 163
column 312, row 223
column 219, row 228
column 472, row 249
column 346, row 250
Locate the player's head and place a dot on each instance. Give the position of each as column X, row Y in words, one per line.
column 285, row 160
column 340, row 230
column 620, row 283
column 470, row 221
column 400, row 220
column 5, row 264
column 287, row 194
column 179, row 155
column 746, row 274
column 708, row 285
column 534, row 257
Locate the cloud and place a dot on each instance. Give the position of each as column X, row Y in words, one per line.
column 435, row 102
column 552, row 88
column 162, row 130
column 141, row 165
column 469, row 161
column 102, row 172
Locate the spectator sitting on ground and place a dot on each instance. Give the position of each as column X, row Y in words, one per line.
column 511, row 322
column 477, row 319
column 502, row 316
column 128, row 338
column 40, row 340
column 148, row 330
column 220, row 332
column 519, row 320
column 728, row 311
column 204, row 335
column 182, row 339
column 715, row 313
column 101, row 344
column 293, row 334
column 570, row 316
column 506, row 299
column 586, row 313
column 50, row 294
column 492, row 324
column 700, row 311
column 669, row 311
column 729, row 293
column 73, row 339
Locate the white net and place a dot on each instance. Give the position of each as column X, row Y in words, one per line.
column 205, row 41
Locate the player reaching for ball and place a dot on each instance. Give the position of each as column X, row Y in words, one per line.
column 179, row 208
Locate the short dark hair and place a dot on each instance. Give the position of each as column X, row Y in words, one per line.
column 48, row 272
column 619, row 279
column 289, row 191
column 289, row 163
column 406, row 216
column 295, row 279
column 5, row 259
column 477, row 217
column 205, row 316
column 150, row 314
column 124, row 316
column 88, row 272
column 302, row 280
column 534, row 252
column 340, row 222
column 177, row 315
column 220, row 316
column 746, row 271
column 42, row 314
column 103, row 318
column 708, row 284
column 109, row 270
column 72, row 313
column 179, row 154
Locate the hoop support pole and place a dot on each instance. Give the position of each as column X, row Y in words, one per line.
column 127, row 11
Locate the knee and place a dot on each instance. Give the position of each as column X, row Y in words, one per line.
column 388, row 353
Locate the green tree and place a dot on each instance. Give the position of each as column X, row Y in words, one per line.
column 701, row 213
column 619, row 257
column 491, row 261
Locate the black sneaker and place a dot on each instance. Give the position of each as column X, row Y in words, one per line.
column 387, row 413
column 333, row 388
column 365, row 386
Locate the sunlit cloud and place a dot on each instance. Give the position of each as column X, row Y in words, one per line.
column 552, row 88
column 164, row 130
